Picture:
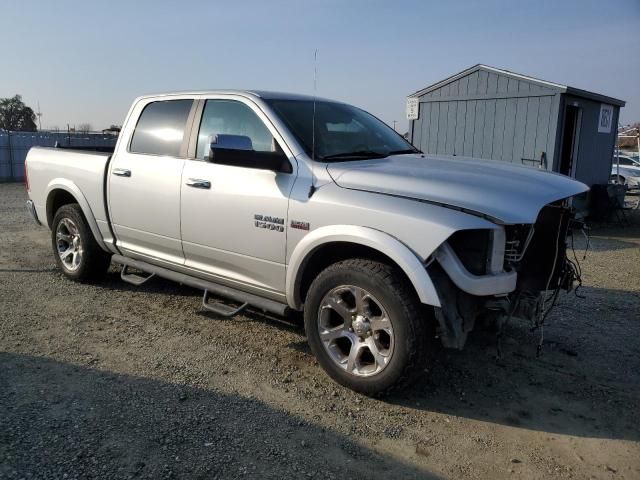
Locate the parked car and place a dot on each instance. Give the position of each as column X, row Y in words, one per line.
column 291, row 203
column 628, row 173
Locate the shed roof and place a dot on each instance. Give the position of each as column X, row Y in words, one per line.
column 543, row 83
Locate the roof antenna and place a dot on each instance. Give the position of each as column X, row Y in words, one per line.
column 312, row 189
column 39, row 114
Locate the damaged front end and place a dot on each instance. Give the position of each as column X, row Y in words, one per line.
column 523, row 266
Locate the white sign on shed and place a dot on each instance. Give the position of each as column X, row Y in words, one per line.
column 606, row 118
column 413, row 108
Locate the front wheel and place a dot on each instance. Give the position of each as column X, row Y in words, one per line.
column 365, row 325
column 77, row 253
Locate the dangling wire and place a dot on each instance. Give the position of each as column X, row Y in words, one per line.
column 543, row 312
column 576, row 267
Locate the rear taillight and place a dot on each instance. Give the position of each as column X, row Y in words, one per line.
column 26, row 177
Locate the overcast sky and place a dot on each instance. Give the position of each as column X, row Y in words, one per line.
column 86, row 61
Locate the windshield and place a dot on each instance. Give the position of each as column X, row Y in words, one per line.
column 342, row 132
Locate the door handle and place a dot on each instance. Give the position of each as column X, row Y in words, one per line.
column 121, row 172
column 198, row 183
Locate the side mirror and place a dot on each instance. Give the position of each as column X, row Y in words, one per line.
column 237, row 151
column 230, row 142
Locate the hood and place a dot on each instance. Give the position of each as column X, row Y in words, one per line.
column 507, row 193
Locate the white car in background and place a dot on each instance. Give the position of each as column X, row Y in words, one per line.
column 628, row 173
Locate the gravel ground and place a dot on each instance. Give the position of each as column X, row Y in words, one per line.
column 113, row 381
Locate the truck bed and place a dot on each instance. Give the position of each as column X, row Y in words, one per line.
column 77, row 171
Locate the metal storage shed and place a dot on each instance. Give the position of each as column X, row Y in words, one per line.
column 486, row 112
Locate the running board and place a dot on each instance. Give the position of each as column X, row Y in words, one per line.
column 244, row 298
column 133, row 278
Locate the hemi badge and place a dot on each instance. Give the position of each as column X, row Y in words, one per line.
column 299, row 225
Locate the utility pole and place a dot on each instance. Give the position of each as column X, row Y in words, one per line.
column 394, row 124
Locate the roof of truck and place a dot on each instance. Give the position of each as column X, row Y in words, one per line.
column 266, row 95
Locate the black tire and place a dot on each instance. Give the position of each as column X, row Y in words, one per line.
column 409, row 319
column 93, row 262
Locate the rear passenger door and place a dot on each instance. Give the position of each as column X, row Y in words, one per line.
column 144, row 180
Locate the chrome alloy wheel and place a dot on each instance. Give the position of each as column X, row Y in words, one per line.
column 355, row 330
column 68, row 244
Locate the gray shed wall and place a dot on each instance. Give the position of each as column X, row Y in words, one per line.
column 488, row 115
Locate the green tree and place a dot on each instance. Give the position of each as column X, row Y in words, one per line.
column 15, row 115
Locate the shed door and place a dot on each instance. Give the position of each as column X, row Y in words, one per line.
column 570, row 139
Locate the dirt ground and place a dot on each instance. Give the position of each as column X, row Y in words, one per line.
column 114, row 381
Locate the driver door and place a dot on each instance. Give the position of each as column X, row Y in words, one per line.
column 233, row 218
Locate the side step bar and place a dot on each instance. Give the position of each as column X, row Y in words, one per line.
column 239, row 296
column 219, row 308
column 134, row 279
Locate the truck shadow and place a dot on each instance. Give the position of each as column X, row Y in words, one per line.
column 586, row 382
column 96, row 423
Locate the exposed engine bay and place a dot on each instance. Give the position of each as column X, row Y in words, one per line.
column 537, row 253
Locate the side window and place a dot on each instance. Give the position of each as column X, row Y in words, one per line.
column 623, row 161
column 160, row 128
column 233, row 118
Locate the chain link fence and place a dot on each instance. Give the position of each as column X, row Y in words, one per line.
column 15, row 145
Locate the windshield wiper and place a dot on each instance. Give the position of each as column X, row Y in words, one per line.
column 359, row 154
column 405, row 151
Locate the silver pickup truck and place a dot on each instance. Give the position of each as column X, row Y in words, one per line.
column 283, row 203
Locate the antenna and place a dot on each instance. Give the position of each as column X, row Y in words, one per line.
column 315, row 93
column 39, row 114
column 312, row 189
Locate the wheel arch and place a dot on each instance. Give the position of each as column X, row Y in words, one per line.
column 329, row 244
column 62, row 192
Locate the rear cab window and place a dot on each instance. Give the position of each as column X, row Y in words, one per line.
column 161, row 127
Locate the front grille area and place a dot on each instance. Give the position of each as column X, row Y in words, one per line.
column 542, row 265
column 518, row 239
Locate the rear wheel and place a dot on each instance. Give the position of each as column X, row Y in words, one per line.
column 76, row 251
column 365, row 325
